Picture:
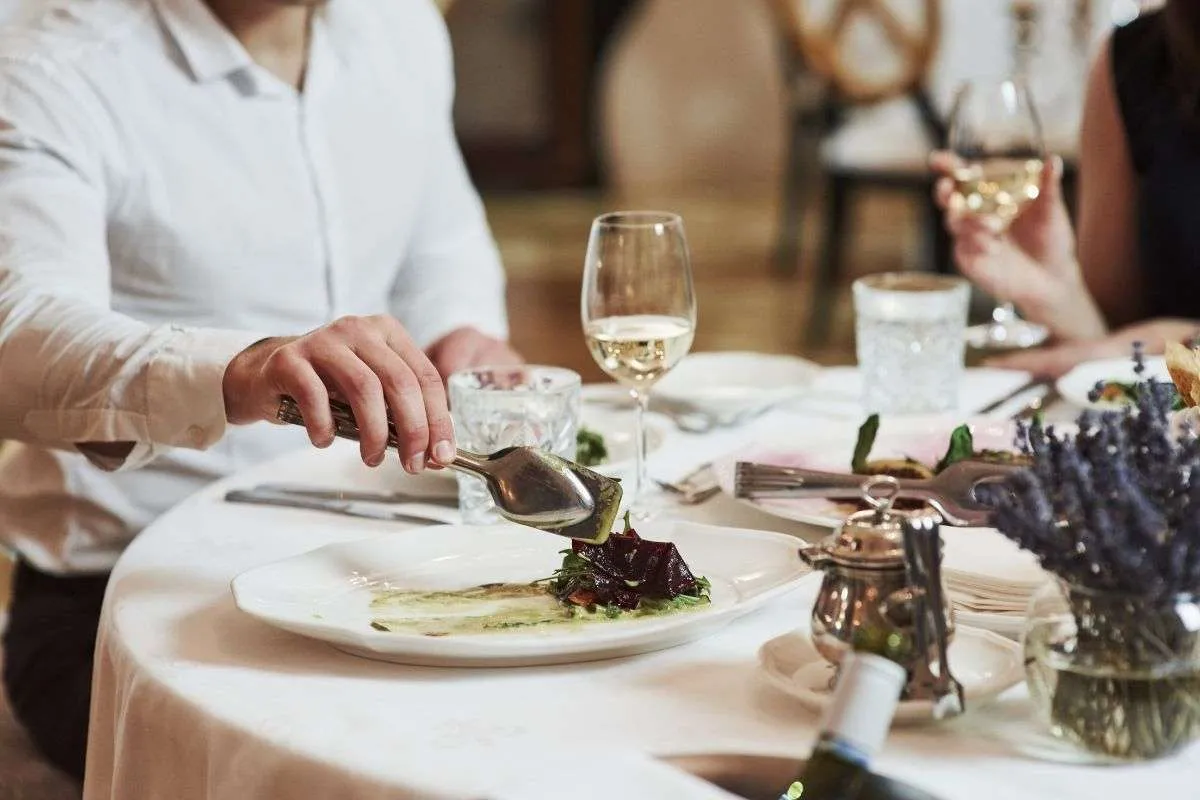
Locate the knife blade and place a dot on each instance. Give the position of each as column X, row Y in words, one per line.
column 1040, row 385
column 342, row 507
column 350, row 495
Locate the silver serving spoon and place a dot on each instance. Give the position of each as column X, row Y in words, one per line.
column 529, row 486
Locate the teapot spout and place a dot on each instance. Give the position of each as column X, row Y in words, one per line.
column 815, row 556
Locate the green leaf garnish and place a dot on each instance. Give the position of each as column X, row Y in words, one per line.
column 866, row 440
column 590, row 448
column 962, row 447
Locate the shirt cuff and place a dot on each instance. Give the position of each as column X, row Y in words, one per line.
column 185, row 399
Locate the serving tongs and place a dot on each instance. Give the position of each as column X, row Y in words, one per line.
column 952, row 492
column 923, row 564
column 529, row 486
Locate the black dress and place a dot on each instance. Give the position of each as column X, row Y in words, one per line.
column 1165, row 149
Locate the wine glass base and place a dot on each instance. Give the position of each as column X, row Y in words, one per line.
column 1016, row 334
column 651, row 506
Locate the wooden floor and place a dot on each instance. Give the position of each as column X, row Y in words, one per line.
column 743, row 304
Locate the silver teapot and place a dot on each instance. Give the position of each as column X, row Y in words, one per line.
column 882, row 592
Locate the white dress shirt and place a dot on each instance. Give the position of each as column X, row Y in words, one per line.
column 165, row 202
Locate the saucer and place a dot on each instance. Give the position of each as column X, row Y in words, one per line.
column 985, row 663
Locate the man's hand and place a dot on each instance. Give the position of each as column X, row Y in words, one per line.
column 466, row 347
column 371, row 363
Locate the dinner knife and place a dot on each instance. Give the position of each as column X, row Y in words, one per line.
column 1041, row 386
column 345, row 508
column 350, row 495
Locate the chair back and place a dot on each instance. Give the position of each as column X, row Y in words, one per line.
column 868, row 51
column 690, row 97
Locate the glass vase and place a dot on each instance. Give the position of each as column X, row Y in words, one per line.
column 1115, row 675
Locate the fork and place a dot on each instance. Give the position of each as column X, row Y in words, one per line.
column 952, row 492
column 690, row 490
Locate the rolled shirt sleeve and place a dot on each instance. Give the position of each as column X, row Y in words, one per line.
column 452, row 276
column 72, row 370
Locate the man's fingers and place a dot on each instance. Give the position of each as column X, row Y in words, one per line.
column 404, row 395
column 359, row 385
column 441, row 445
column 291, row 374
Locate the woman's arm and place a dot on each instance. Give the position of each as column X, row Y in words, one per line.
column 1107, row 223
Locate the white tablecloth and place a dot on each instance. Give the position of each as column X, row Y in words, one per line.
column 194, row 700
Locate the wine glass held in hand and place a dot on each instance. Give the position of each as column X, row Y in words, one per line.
column 639, row 312
column 995, row 131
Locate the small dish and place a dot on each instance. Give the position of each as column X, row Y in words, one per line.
column 617, row 428
column 984, row 663
column 1079, row 382
column 725, row 383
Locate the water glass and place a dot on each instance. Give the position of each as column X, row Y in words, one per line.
column 498, row 407
column 909, row 329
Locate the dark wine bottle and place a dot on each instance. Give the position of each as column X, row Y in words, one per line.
column 853, row 729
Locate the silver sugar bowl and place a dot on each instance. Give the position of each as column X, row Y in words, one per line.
column 878, row 591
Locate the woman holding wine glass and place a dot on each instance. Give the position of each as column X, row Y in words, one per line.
column 1132, row 273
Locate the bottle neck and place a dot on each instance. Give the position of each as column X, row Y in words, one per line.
column 861, row 710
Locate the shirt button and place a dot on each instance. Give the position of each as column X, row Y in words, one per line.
column 198, row 435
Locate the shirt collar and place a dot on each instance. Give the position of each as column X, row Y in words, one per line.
column 211, row 51
column 341, row 27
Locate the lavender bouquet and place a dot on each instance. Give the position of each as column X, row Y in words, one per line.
column 1113, row 510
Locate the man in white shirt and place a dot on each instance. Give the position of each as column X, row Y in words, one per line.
column 206, row 205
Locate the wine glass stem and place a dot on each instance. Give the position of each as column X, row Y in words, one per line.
column 642, row 400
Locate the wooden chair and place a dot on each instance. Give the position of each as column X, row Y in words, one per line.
column 829, row 82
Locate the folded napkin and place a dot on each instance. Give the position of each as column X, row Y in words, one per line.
column 986, row 572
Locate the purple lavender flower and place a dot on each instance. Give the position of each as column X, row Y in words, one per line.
column 1116, row 505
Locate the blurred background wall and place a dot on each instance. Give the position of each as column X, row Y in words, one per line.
column 567, row 108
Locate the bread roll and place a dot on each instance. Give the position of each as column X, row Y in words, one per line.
column 1184, row 365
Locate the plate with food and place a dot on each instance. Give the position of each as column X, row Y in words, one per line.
column 902, row 447
column 1117, row 381
column 606, row 439
column 506, row 596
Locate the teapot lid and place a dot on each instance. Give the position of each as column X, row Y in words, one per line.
column 874, row 537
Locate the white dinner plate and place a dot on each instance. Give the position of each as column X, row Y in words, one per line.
column 984, row 663
column 1079, row 382
column 829, row 446
column 727, row 382
column 326, row 594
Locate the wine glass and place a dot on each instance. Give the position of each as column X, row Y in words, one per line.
column 995, row 131
column 639, row 312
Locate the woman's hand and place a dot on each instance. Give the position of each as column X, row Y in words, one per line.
column 1051, row 362
column 371, row 363
column 1032, row 264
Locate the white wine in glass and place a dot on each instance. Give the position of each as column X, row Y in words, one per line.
column 639, row 312
column 996, row 134
column 999, row 189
